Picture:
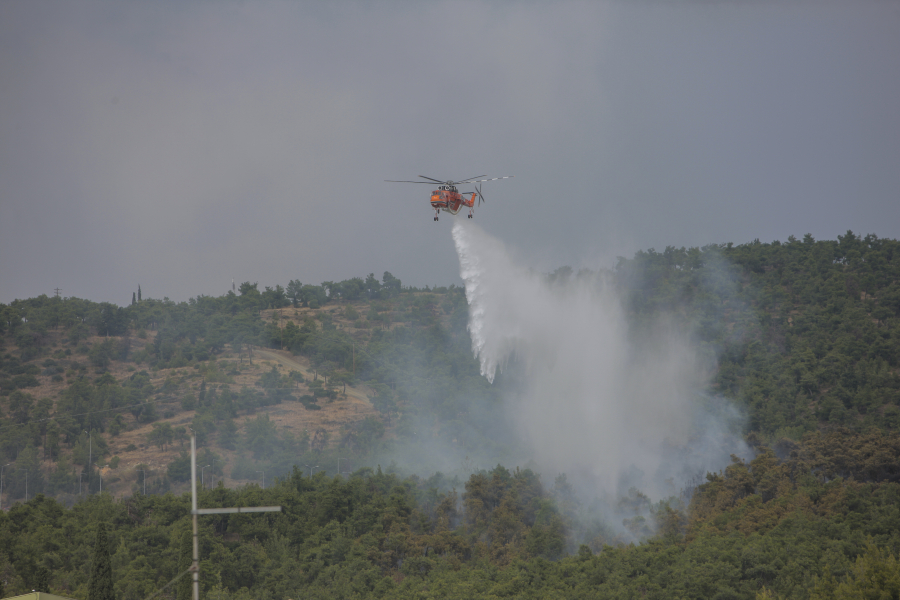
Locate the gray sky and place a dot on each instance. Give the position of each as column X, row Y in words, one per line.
column 176, row 145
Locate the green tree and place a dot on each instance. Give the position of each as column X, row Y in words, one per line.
column 180, row 468
column 260, row 436
column 110, row 320
column 20, row 406
column 248, row 288
column 42, row 579
column 228, row 434
column 161, row 435
column 875, row 576
column 372, row 286
column 78, row 332
column 294, row 291
column 102, row 353
column 101, row 583
column 390, row 284
column 185, row 561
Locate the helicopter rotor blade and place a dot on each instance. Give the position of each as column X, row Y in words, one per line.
column 492, row 179
column 468, row 180
column 432, row 181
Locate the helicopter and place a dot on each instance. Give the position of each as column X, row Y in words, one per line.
column 448, row 198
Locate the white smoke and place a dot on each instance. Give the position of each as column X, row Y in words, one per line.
column 597, row 403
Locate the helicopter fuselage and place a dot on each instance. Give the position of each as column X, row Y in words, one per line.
column 448, row 199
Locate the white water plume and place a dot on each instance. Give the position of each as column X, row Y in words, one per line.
column 595, row 402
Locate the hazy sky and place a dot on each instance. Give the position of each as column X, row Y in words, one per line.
column 176, row 145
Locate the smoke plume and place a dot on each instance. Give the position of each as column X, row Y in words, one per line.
column 609, row 407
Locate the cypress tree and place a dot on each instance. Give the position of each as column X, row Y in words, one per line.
column 101, row 585
column 42, row 579
column 139, row 292
column 133, row 299
column 184, row 585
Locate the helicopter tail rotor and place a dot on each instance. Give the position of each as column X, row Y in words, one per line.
column 480, row 196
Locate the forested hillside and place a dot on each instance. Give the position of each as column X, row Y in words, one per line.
column 803, row 336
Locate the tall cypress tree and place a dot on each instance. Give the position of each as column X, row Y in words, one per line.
column 139, row 292
column 101, row 585
column 42, row 579
column 133, row 299
column 184, row 589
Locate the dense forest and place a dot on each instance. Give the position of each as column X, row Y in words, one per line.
column 804, row 336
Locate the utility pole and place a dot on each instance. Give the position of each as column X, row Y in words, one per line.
column 57, row 290
column 195, row 565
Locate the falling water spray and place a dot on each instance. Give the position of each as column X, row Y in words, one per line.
column 608, row 407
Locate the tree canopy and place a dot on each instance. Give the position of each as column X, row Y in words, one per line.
column 803, row 335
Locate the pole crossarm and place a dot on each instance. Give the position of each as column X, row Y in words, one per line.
column 237, row 509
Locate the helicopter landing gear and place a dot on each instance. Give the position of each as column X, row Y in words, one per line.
column 436, row 213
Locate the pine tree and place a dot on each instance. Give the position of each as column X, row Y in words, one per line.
column 101, row 585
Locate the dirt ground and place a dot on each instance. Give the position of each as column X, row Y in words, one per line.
column 334, row 415
column 347, row 409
